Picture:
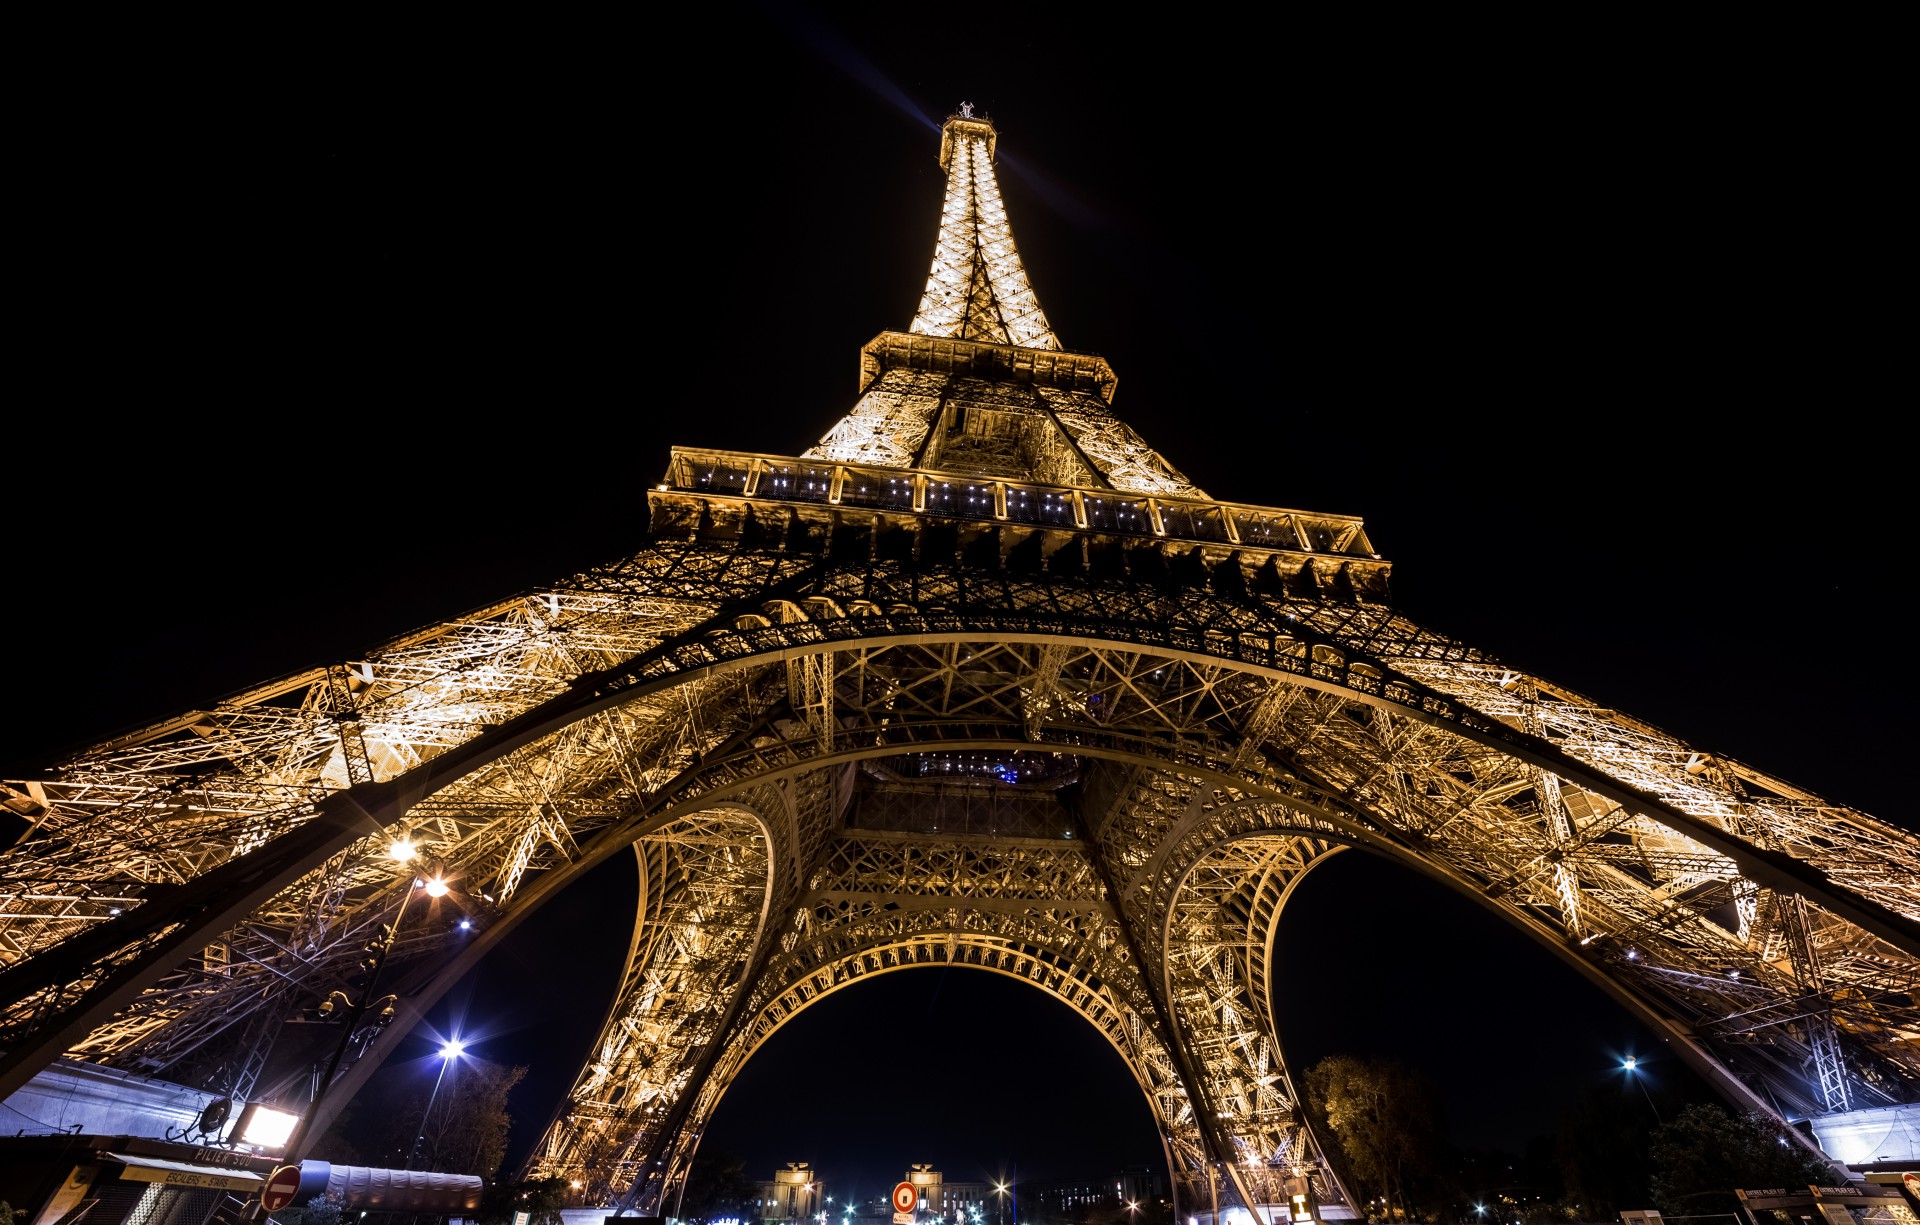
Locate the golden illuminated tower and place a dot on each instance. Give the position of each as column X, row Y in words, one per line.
column 980, row 679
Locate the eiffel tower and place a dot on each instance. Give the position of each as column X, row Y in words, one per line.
column 980, row 680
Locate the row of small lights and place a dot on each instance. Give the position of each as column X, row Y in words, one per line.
column 1261, row 528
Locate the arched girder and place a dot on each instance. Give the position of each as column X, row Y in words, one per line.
column 1256, row 821
column 1240, row 889
column 1379, row 722
column 537, row 807
column 620, row 1103
column 1216, row 944
column 703, row 918
column 1245, row 814
column 701, row 914
column 1130, row 1034
column 1259, row 646
column 1258, row 816
column 873, row 894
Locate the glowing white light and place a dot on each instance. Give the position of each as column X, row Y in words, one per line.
column 401, row 850
column 452, row 1049
column 436, row 887
column 1632, row 1063
column 267, row 1128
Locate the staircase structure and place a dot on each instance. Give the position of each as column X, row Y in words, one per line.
column 980, row 679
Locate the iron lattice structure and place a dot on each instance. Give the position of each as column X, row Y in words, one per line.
column 981, row 680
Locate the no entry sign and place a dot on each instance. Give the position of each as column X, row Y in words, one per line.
column 905, row 1196
column 281, row 1185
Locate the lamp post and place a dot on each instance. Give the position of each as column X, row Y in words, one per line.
column 372, row 962
column 1632, row 1067
column 449, row 1052
column 376, row 958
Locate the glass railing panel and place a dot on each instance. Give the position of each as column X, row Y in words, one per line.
column 714, row 474
column 797, row 482
column 1039, row 506
column 1266, row 531
column 961, row 499
column 882, row 491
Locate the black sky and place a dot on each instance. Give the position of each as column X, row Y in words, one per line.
column 335, row 338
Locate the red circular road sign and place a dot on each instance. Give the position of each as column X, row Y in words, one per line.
column 281, row 1185
column 905, row 1196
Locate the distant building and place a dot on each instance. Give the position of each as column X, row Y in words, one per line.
column 1066, row 1198
column 1142, row 1185
column 794, row 1194
column 957, row 1202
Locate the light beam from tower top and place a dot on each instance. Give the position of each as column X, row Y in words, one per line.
column 977, row 289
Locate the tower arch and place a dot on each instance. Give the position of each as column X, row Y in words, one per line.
column 1033, row 964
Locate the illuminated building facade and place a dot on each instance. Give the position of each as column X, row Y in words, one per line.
column 958, row 1203
column 979, row 679
column 793, row 1194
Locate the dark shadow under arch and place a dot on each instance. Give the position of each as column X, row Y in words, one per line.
column 977, row 1069
column 1381, row 960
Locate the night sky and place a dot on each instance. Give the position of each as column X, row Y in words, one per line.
column 1586, row 323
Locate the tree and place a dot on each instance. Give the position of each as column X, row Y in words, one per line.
column 541, row 1198
column 335, row 1144
column 1602, row 1153
column 1494, row 1185
column 718, row 1186
column 1702, row 1155
column 322, row 1209
column 465, row 1132
column 1388, row 1121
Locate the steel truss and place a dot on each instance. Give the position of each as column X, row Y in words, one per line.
column 1182, row 816
column 830, row 707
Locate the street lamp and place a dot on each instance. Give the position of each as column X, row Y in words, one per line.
column 1631, row 1067
column 401, row 850
column 449, row 1051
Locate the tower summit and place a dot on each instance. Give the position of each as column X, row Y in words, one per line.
column 977, row 289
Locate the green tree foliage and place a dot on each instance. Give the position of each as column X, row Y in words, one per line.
column 1498, row 1187
column 465, row 1132
column 322, row 1209
column 541, row 1198
column 1601, row 1150
column 1388, row 1122
column 336, row 1144
column 718, row 1186
column 1707, row 1151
